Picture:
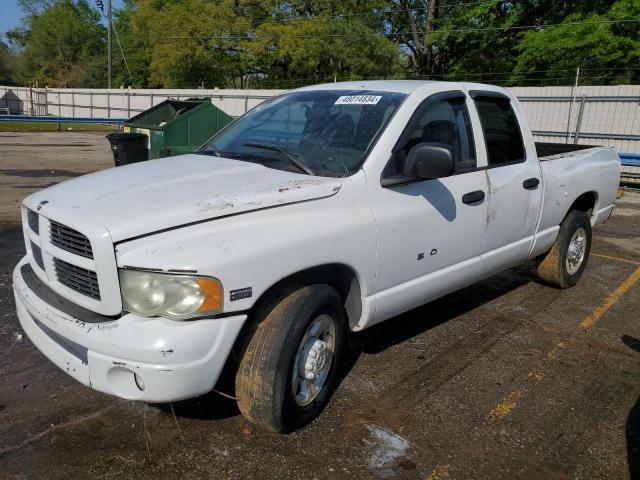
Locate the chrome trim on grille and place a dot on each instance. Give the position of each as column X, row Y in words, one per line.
column 70, row 240
column 76, row 278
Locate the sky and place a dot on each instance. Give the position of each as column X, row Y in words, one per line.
column 10, row 13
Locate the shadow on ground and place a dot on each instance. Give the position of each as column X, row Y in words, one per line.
column 403, row 327
column 633, row 423
column 41, row 173
column 373, row 340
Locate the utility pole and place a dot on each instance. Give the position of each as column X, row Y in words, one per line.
column 573, row 100
column 109, row 27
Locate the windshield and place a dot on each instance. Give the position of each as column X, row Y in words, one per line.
column 322, row 132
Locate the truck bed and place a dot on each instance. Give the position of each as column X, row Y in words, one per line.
column 571, row 170
column 546, row 150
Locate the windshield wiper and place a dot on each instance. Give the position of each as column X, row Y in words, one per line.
column 289, row 156
column 210, row 151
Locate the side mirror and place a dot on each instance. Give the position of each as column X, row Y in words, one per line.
column 429, row 160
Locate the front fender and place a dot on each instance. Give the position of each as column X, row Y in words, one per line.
column 257, row 249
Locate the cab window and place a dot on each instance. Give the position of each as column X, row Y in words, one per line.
column 445, row 122
column 501, row 130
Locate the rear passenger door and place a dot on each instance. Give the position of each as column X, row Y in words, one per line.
column 514, row 182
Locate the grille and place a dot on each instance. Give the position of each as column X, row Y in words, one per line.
column 70, row 240
column 37, row 255
column 32, row 218
column 76, row 278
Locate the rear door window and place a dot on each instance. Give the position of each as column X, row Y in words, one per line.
column 501, row 130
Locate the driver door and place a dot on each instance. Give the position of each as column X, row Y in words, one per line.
column 430, row 232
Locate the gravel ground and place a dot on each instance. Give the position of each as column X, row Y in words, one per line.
column 495, row 381
column 36, row 160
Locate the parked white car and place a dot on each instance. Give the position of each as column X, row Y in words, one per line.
column 323, row 210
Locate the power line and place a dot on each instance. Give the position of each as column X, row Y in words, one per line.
column 276, row 83
column 483, row 74
column 286, row 21
column 126, row 64
column 250, row 36
column 282, row 83
column 457, row 76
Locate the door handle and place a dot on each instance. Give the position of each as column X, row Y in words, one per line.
column 473, row 197
column 531, row 183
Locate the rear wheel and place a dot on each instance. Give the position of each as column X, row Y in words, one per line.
column 290, row 366
column 563, row 265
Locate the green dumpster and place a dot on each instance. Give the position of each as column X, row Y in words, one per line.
column 175, row 127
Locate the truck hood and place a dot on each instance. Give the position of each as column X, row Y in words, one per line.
column 150, row 196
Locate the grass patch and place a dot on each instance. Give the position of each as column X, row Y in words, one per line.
column 6, row 126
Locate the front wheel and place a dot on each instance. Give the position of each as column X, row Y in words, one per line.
column 562, row 266
column 290, row 366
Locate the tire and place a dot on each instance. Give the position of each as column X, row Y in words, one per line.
column 563, row 265
column 265, row 378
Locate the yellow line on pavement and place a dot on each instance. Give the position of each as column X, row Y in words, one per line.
column 536, row 375
column 618, row 259
column 506, row 406
column 611, row 300
column 439, row 473
column 509, row 403
column 556, row 349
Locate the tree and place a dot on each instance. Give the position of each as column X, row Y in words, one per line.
column 62, row 45
column 135, row 71
column 319, row 41
column 413, row 24
column 267, row 43
column 35, row 7
column 192, row 51
column 235, row 43
column 606, row 52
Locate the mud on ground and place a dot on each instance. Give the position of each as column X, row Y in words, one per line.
column 496, row 381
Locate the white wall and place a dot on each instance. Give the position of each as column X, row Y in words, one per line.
column 118, row 103
column 608, row 110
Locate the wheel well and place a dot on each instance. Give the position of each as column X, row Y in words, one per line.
column 341, row 277
column 585, row 203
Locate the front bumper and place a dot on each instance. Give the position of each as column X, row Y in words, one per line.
column 173, row 360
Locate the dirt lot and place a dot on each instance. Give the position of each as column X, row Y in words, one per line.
column 506, row 379
column 32, row 161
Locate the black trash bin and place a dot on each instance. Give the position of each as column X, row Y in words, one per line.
column 128, row 147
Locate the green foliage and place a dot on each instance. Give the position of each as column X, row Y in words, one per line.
column 254, row 43
column 136, row 54
column 63, row 45
column 266, row 43
column 319, row 50
column 494, row 42
column 53, row 127
column 604, row 51
column 7, row 65
column 35, row 7
column 196, row 49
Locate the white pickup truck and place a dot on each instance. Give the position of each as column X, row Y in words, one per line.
column 324, row 210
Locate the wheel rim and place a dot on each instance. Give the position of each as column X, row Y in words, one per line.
column 576, row 250
column 313, row 361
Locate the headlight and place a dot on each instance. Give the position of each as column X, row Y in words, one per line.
column 177, row 297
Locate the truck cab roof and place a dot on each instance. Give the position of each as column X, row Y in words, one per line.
column 402, row 86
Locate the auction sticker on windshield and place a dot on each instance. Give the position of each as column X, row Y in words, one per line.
column 358, row 100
